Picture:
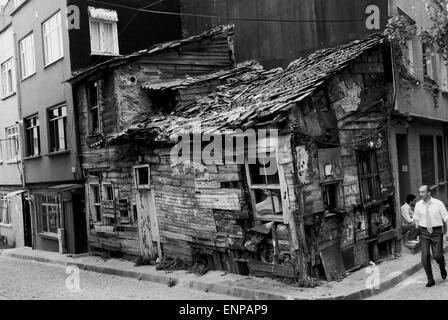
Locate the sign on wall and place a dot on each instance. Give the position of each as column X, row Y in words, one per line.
column 330, row 165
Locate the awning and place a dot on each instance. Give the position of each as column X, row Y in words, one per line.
column 103, row 14
column 15, row 193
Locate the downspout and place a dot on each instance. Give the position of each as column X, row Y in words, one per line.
column 21, row 150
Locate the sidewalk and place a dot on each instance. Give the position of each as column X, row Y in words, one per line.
column 352, row 287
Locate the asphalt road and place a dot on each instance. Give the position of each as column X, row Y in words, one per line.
column 28, row 280
column 414, row 288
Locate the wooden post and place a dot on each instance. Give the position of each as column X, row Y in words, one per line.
column 299, row 229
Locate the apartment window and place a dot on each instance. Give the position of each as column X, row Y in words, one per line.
column 95, row 202
column 32, row 136
column 427, row 160
column 440, row 160
column 12, row 143
column 27, row 56
column 5, row 214
column 57, row 125
column 52, row 36
column 332, row 196
column 48, row 210
column 429, row 62
column 94, row 108
column 409, row 56
column 444, row 75
column 7, row 76
column 264, row 185
column 369, row 177
column 103, row 31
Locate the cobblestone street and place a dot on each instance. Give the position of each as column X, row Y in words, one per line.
column 26, row 280
column 414, row 288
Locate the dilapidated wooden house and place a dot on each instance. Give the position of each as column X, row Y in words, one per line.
column 305, row 183
column 109, row 98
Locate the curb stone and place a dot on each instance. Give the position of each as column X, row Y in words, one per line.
column 236, row 291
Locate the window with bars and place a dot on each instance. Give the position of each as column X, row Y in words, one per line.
column 32, row 130
column 52, row 37
column 12, row 143
column 57, row 118
column 48, row 213
column 427, row 160
column 369, row 177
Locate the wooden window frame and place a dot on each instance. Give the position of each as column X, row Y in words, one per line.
column 12, row 143
column 55, row 121
column 7, row 77
column 40, row 204
column 32, row 125
column 266, row 187
column 137, row 184
column 374, row 177
column 93, row 110
column 94, row 205
column 27, row 67
column 47, row 37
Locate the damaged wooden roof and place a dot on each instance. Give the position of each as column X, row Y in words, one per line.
column 158, row 48
column 248, row 96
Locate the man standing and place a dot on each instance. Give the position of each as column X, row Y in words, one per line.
column 429, row 215
column 408, row 226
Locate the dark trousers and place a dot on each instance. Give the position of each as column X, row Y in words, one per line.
column 432, row 242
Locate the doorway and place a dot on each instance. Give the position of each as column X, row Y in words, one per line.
column 27, row 229
column 148, row 225
column 403, row 167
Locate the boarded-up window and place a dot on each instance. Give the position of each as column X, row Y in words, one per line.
column 440, row 161
column 427, row 160
column 369, row 177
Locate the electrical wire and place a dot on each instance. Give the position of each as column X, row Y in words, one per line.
column 182, row 14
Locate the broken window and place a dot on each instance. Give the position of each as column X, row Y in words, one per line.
column 331, row 195
column 369, row 177
column 427, row 160
column 108, row 192
column 141, row 176
column 123, row 205
column 94, row 108
column 95, row 203
column 264, row 185
column 48, row 213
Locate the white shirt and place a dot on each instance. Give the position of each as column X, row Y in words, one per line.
column 437, row 211
column 406, row 213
